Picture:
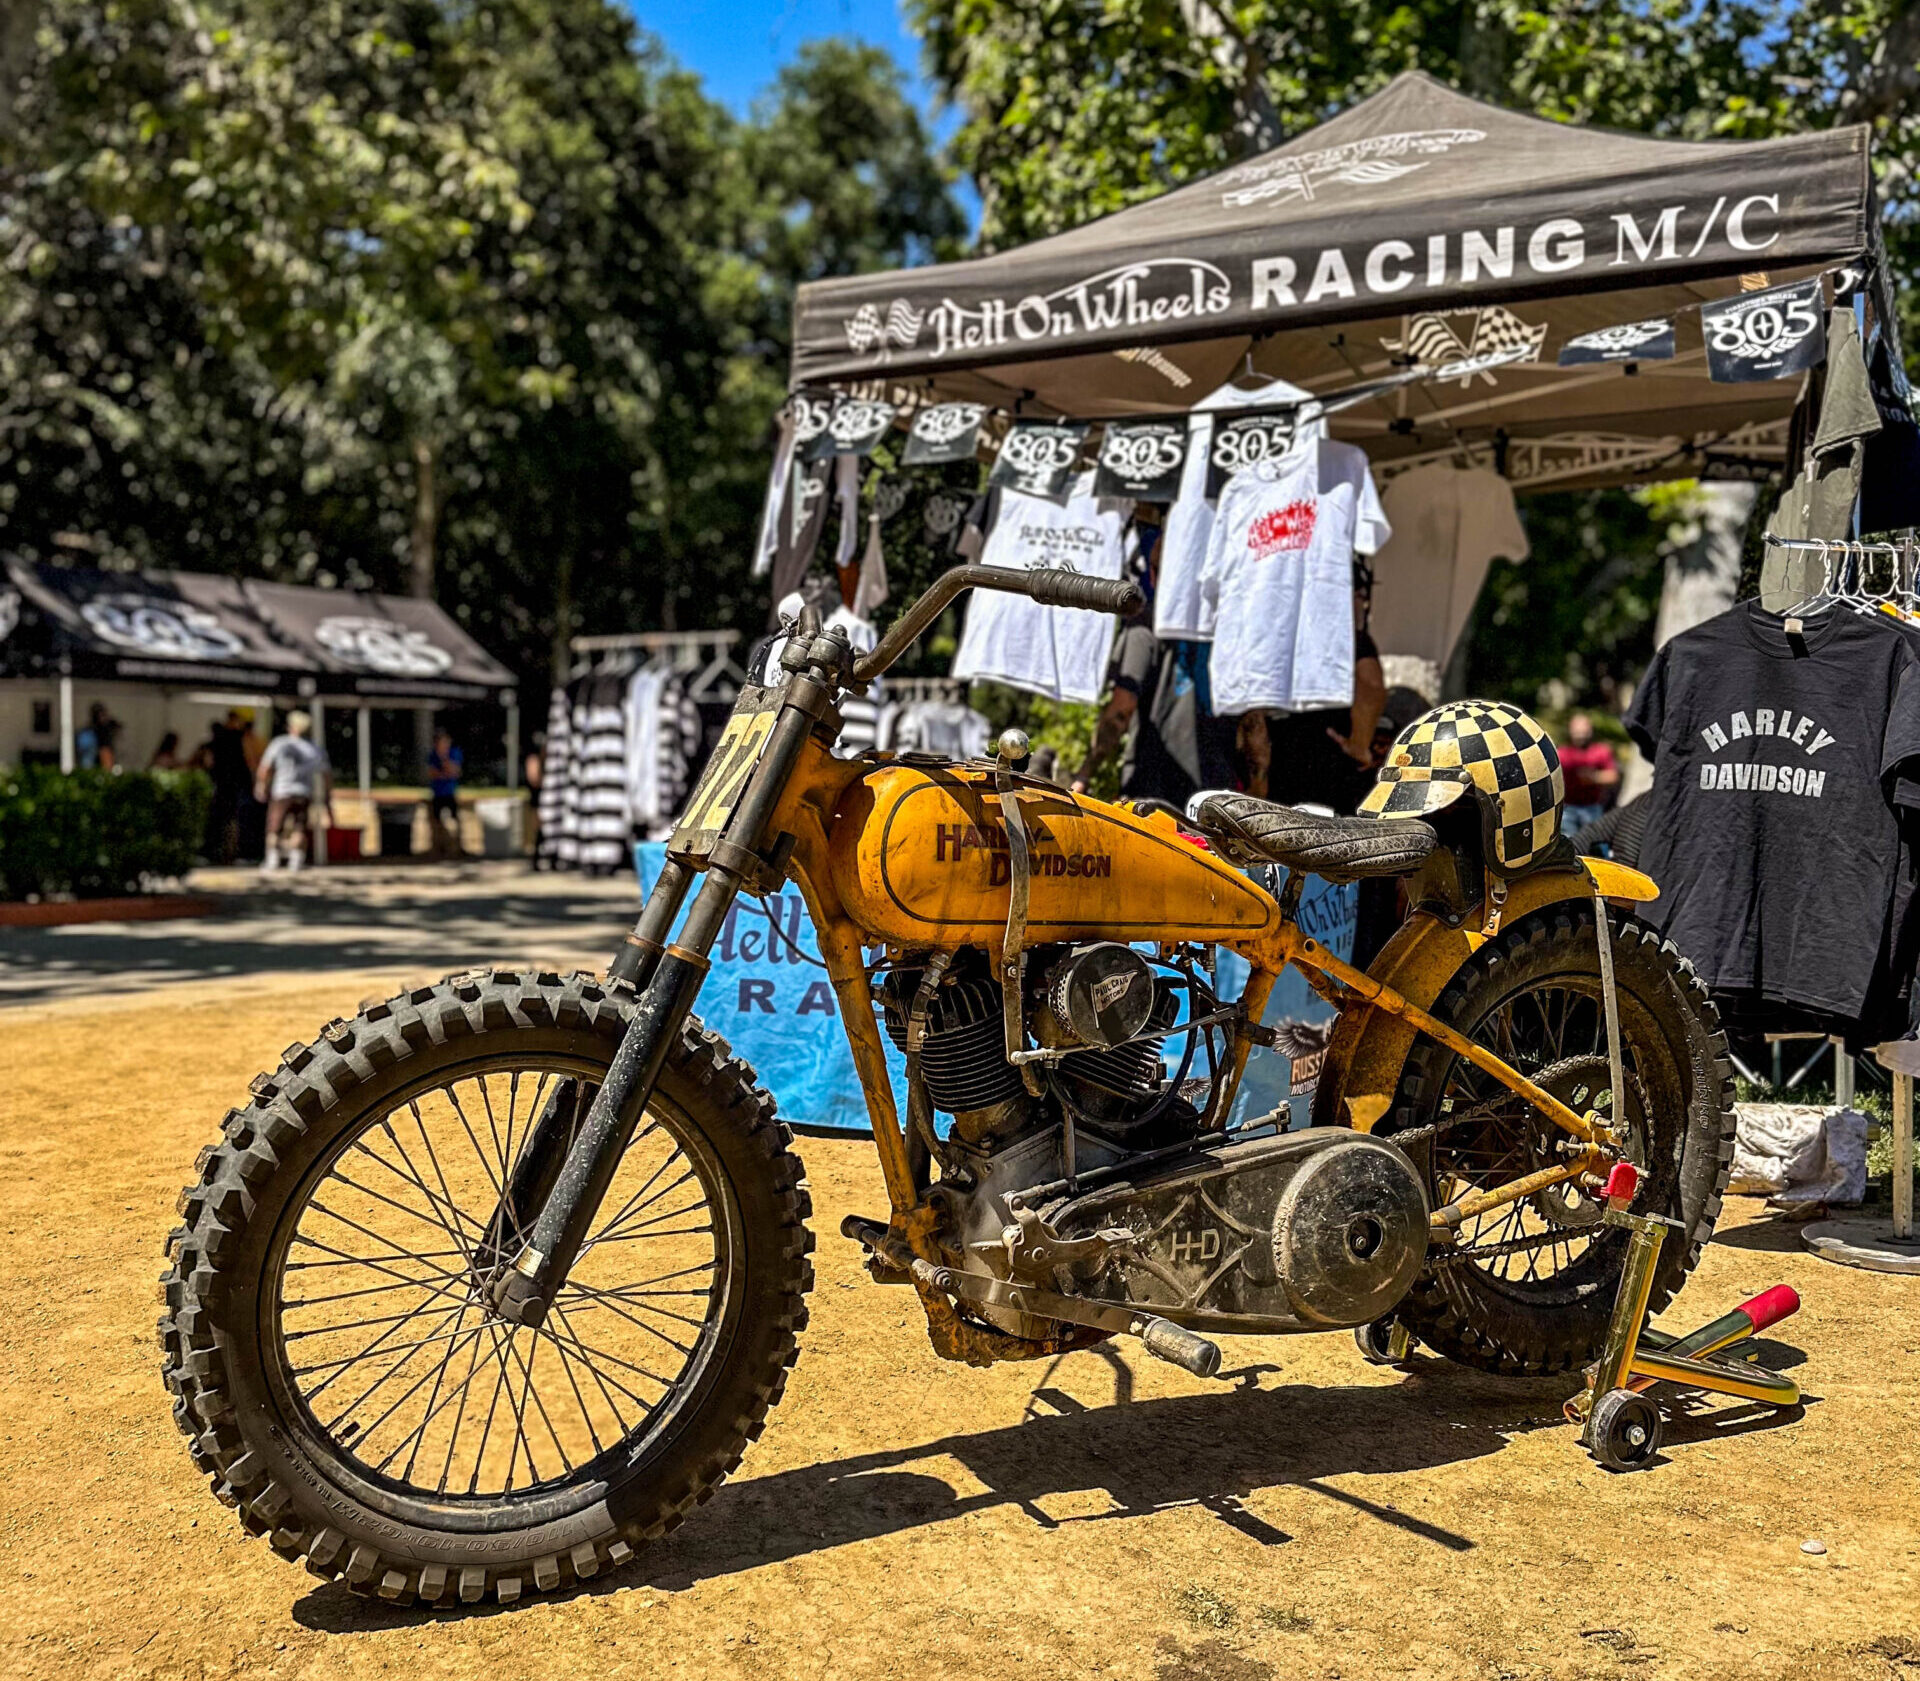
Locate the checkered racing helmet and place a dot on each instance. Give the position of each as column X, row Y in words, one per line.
column 1490, row 750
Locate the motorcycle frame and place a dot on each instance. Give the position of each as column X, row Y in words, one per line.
column 765, row 812
column 805, row 811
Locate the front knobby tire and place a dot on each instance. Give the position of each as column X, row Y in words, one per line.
column 1531, row 1289
column 333, row 1164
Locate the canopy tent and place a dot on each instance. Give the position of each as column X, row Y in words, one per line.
column 381, row 649
column 1419, row 227
column 215, row 632
column 172, row 627
column 233, row 638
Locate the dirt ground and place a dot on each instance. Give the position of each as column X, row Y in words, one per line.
column 1101, row 1516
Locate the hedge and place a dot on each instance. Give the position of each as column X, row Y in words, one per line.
column 95, row 833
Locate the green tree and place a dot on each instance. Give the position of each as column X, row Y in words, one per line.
column 488, row 302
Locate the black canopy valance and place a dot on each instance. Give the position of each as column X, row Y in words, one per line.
column 195, row 628
column 1420, row 225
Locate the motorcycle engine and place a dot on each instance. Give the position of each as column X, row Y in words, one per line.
column 1287, row 1231
column 1101, row 997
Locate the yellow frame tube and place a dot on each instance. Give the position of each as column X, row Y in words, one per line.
column 1484, row 1202
column 1311, row 958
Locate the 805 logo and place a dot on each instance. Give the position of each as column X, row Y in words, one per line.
column 1765, row 335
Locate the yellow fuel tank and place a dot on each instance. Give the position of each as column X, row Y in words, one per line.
column 919, row 858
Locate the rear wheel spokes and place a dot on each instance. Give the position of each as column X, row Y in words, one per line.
column 386, row 1336
column 1536, row 1031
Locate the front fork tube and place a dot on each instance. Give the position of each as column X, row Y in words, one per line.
column 531, row 1177
column 673, row 976
column 633, row 964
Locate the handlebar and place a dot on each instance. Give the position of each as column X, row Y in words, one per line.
column 1051, row 587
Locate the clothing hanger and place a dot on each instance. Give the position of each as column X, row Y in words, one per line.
column 1250, row 378
column 1822, row 598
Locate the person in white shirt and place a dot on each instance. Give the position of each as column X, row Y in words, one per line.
column 292, row 772
column 1281, row 559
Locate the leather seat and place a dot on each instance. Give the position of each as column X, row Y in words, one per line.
column 1337, row 848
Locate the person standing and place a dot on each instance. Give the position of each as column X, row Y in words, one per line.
column 293, row 772
column 1160, row 706
column 445, row 765
column 96, row 745
column 224, row 757
column 1592, row 775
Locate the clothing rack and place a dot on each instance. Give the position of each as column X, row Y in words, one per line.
column 1842, row 546
column 1901, row 554
column 707, row 654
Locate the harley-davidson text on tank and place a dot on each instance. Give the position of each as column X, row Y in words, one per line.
column 953, row 841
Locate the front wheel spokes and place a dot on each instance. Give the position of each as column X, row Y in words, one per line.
column 393, row 1352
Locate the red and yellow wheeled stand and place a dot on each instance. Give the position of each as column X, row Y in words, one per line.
column 1621, row 1423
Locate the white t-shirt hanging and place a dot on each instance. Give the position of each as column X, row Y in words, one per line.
column 1281, row 555
column 1448, row 525
column 1179, row 611
column 1059, row 652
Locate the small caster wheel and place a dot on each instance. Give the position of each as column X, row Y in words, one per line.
column 1624, row 1432
column 1384, row 1342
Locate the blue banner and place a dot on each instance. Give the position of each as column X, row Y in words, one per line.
column 777, row 1009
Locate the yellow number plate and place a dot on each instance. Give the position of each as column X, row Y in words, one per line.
column 725, row 778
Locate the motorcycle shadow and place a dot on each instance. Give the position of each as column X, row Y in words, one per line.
column 1067, row 1463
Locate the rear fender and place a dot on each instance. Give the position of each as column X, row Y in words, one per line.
column 1369, row 1047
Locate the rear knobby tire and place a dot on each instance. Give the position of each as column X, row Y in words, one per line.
column 218, row 1345
column 1680, row 1105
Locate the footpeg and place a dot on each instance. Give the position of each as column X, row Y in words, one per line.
column 1178, row 1346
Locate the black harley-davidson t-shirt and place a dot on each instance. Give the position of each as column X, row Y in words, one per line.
column 1771, row 827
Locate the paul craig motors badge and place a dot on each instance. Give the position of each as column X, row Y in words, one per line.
column 1038, row 460
column 383, row 646
column 1142, row 460
column 1630, row 341
column 945, row 432
column 1765, row 335
column 168, row 630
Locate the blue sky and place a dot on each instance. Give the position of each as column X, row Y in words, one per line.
column 736, row 46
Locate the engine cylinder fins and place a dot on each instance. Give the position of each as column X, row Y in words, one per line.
column 962, row 1059
column 1350, row 1232
column 1099, row 995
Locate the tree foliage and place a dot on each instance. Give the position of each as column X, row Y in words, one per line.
column 483, row 301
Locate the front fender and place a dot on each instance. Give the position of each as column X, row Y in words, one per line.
column 1369, row 1047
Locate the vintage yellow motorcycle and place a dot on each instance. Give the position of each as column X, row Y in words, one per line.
column 495, row 1281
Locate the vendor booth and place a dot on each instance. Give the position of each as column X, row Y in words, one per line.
column 1439, row 302
column 173, row 652
column 1420, row 229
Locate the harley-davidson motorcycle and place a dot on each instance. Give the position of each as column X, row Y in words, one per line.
column 495, row 1281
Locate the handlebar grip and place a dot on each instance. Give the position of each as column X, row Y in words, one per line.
column 1055, row 587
